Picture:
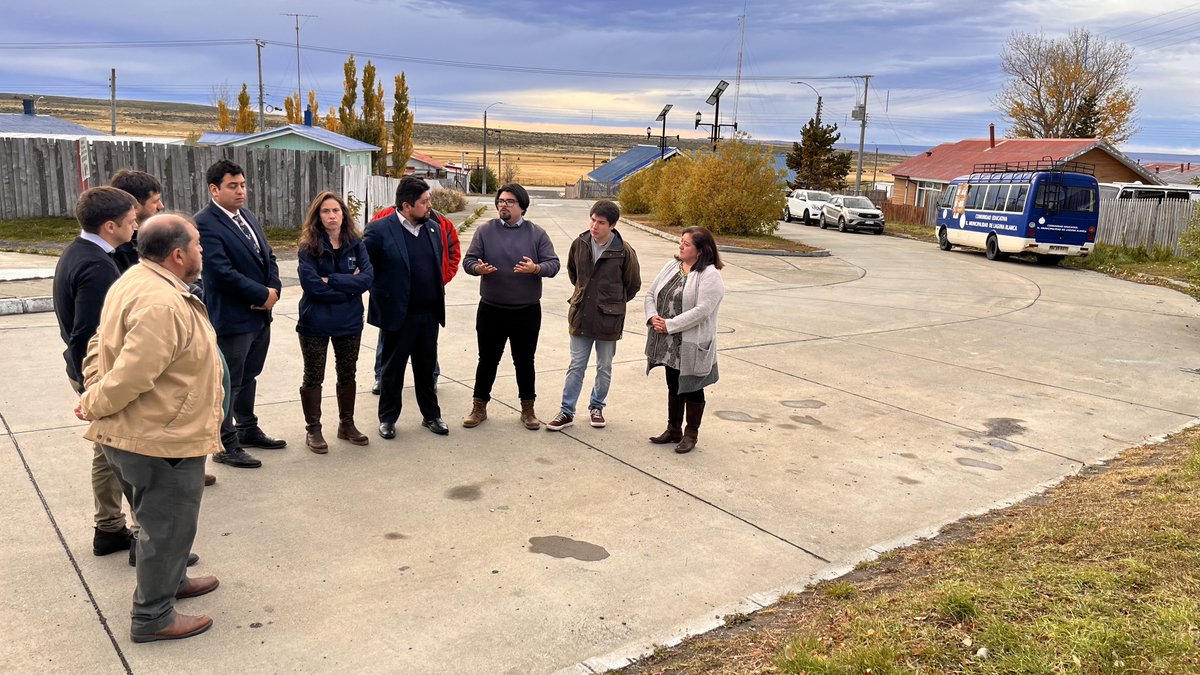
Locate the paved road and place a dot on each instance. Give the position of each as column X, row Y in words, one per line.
column 866, row 399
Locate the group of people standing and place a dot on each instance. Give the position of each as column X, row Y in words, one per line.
column 166, row 359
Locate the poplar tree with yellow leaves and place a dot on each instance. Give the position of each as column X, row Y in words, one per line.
column 246, row 120
column 402, row 127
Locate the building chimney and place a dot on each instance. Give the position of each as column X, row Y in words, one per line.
column 308, row 116
column 991, row 135
column 29, row 106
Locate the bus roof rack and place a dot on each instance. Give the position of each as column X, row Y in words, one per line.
column 1044, row 164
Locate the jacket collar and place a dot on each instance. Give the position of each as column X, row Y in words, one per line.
column 616, row 246
column 166, row 274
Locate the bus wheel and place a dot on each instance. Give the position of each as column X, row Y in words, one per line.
column 944, row 239
column 993, row 248
column 1051, row 260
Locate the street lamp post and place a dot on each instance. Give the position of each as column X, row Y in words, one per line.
column 483, row 175
column 814, row 90
column 715, row 100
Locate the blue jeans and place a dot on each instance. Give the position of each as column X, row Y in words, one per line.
column 581, row 350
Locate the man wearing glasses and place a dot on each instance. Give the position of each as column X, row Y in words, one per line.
column 510, row 255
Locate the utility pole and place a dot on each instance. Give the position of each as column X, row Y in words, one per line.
column 299, row 90
column 861, row 114
column 112, row 81
column 261, row 111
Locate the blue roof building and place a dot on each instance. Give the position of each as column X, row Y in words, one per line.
column 352, row 152
column 629, row 162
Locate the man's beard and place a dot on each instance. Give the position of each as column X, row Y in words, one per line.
column 420, row 220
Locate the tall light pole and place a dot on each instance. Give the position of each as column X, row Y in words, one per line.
column 299, row 90
column 814, row 90
column 715, row 99
column 261, row 112
column 662, row 143
column 860, row 113
column 483, row 175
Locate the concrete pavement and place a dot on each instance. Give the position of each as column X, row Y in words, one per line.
column 866, row 399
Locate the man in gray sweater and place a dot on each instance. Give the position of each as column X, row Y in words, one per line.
column 510, row 255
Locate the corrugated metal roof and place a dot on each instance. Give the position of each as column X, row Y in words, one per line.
column 951, row 160
column 422, row 157
column 318, row 134
column 627, row 163
column 43, row 124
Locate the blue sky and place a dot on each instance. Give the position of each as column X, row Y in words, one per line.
column 613, row 65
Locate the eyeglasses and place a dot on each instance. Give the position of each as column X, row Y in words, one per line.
column 507, row 202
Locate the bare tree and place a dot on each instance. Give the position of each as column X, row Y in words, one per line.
column 219, row 98
column 1076, row 85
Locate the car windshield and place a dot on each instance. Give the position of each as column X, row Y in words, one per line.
column 859, row 203
column 818, row 196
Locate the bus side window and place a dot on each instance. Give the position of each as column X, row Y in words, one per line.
column 1016, row 198
column 947, row 199
column 975, row 194
column 996, row 197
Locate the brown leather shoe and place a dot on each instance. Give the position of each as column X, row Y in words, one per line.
column 209, row 479
column 183, row 626
column 528, row 417
column 196, row 586
column 477, row 415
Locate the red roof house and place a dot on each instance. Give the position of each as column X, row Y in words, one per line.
column 916, row 178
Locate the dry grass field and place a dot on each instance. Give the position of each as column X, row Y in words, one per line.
column 548, row 159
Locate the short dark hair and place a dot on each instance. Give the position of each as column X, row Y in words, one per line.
column 221, row 168
column 410, row 190
column 518, row 192
column 99, row 205
column 137, row 183
column 706, row 246
column 606, row 210
column 162, row 234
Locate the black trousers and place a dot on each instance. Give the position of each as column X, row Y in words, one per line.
column 673, row 387
column 245, row 354
column 315, row 351
column 494, row 326
column 416, row 340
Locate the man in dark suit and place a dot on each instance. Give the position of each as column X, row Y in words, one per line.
column 84, row 273
column 408, row 303
column 241, row 285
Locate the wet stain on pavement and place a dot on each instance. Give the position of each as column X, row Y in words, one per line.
column 908, row 481
column 969, row 448
column 806, row 404
column 737, row 416
column 806, row 419
column 565, row 547
column 464, row 493
column 1004, row 427
column 393, row 536
column 543, row 460
column 1002, row 445
column 789, row 427
column 978, row 464
column 908, row 455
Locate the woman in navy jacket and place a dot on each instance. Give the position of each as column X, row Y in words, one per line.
column 335, row 271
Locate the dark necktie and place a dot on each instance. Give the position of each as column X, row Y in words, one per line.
column 237, row 218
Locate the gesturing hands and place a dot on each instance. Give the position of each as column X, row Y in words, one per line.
column 482, row 268
column 527, row 266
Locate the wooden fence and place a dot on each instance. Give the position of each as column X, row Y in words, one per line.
column 41, row 177
column 591, row 189
column 1144, row 222
column 907, row 213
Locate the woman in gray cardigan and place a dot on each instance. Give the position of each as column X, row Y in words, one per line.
column 681, row 310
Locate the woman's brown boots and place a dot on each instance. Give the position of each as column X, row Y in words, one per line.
column 310, row 400
column 346, row 429
column 695, row 411
column 674, row 432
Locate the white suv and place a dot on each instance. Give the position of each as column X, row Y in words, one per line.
column 806, row 205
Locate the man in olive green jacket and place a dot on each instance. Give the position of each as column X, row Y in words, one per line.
column 153, row 395
column 605, row 272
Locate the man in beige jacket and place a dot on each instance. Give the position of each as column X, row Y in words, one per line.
column 153, row 395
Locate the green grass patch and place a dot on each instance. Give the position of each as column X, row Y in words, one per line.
column 39, row 230
column 1154, row 265
column 1097, row 576
column 910, row 231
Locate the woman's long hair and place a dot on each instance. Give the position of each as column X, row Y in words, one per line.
column 312, row 233
column 706, row 246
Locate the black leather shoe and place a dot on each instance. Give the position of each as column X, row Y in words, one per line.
column 375, row 390
column 241, row 459
column 192, row 558
column 257, row 439
column 437, row 426
column 104, row 543
column 387, row 430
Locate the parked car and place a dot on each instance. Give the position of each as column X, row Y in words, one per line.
column 805, row 205
column 852, row 213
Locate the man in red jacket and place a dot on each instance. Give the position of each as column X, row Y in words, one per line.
column 451, row 255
